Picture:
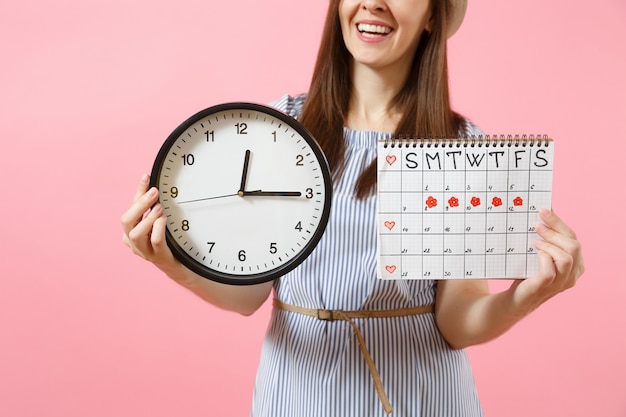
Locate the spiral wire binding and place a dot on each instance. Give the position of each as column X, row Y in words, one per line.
column 468, row 141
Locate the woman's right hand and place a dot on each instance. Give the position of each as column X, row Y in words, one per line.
column 144, row 230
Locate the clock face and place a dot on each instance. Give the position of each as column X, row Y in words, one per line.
column 246, row 191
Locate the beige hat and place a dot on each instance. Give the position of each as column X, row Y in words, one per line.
column 456, row 15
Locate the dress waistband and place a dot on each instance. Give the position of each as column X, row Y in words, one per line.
column 348, row 315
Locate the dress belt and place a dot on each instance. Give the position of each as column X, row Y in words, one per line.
column 347, row 315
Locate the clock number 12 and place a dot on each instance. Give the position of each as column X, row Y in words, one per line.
column 241, row 128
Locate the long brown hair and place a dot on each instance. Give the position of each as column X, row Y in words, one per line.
column 424, row 100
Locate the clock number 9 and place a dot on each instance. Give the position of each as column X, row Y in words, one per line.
column 174, row 192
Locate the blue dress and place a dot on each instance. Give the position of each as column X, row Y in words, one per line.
column 313, row 368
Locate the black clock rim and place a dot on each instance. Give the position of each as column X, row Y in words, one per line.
column 233, row 279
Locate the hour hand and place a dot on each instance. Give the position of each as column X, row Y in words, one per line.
column 261, row 193
column 244, row 175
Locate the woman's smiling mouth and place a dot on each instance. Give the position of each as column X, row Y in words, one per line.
column 373, row 31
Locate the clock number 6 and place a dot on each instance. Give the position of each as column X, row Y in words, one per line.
column 242, row 255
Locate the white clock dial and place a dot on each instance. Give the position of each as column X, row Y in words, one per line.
column 246, row 191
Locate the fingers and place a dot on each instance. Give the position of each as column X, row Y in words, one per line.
column 140, row 237
column 560, row 261
column 557, row 233
column 142, row 201
column 138, row 221
column 142, row 187
column 157, row 238
column 555, row 223
column 560, row 252
column 144, row 225
column 536, row 290
column 546, row 275
column 547, row 268
column 556, row 262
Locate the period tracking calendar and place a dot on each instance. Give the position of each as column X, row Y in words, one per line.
column 461, row 208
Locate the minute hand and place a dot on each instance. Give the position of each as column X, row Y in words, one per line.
column 261, row 193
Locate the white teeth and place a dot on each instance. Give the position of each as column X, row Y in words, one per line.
column 364, row 27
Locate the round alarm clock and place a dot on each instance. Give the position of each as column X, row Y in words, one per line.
column 246, row 191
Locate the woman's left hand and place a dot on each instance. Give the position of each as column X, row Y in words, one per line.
column 468, row 314
column 560, row 264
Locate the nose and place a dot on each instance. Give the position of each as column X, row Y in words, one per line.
column 374, row 5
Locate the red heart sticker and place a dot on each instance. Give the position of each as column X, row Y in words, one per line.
column 391, row 159
column 390, row 225
column 391, row 268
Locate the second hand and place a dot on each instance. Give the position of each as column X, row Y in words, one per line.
column 208, row 198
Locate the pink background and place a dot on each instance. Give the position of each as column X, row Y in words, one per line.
column 90, row 89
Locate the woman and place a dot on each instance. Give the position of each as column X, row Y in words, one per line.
column 381, row 70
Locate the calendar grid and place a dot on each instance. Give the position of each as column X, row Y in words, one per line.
column 456, row 209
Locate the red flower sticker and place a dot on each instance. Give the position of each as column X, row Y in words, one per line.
column 453, row 202
column 497, row 201
column 475, row 201
column 518, row 201
column 431, row 202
